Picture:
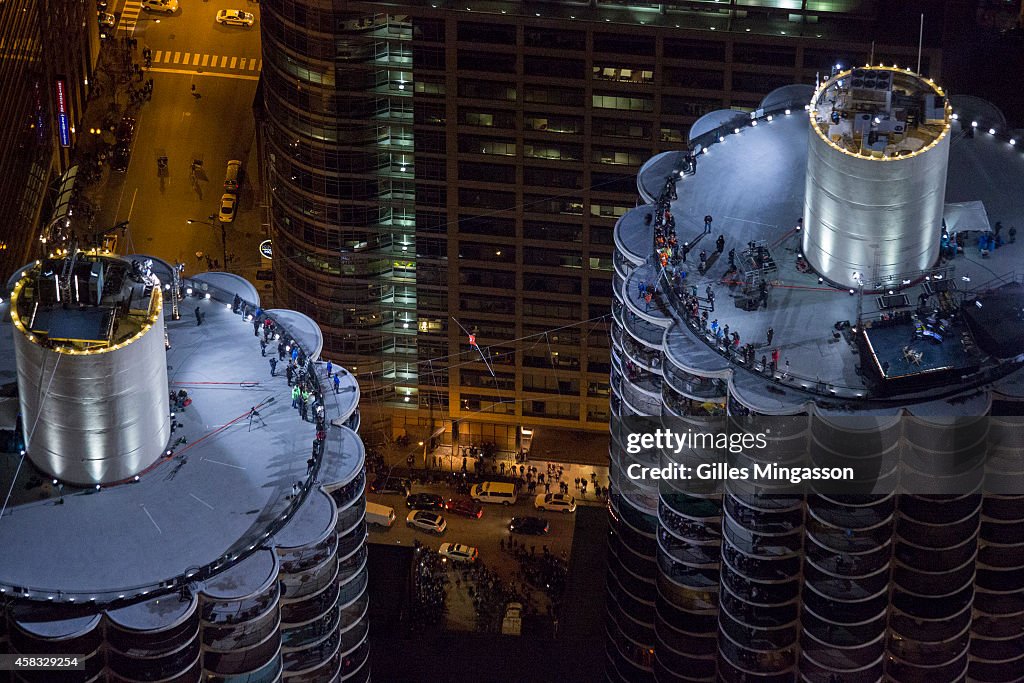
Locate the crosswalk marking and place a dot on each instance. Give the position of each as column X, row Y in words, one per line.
column 205, row 60
column 129, row 16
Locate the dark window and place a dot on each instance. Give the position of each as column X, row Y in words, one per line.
column 487, row 199
column 558, row 67
column 496, row 62
column 694, row 49
column 500, row 34
column 555, row 38
column 488, row 173
column 428, row 221
column 486, row 225
column 546, row 177
column 428, row 57
column 613, row 182
column 774, row 55
column 429, row 141
column 428, row 29
column 623, row 44
column 431, row 169
column 686, row 77
column 760, row 83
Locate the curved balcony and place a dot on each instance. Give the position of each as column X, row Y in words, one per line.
column 845, row 517
column 912, row 479
column 639, row 520
column 936, row 607
column 689, row 530
column 301, row 559
column 844, row 613
column 757, row 545
column 929, row 630
column 154, row 668
column 929, row 654
column 1004, row 650
column 144, row 644
column 695, row 386
column 848, row 659
column 346, row 495
column 937, row 510
column 692, row 507
column 759, row 521
column 640, row 610
column 762, row 501
column 905, row 671
column 639, row 354
column 686, row 598
column 316, row 630
column 761, row 594
column 269, row 673
column 680, row 406
column 241, row 662
column 932, row 584
column 672, row 665
column 639, row 565
column 298, row 587
column 758, row 617
column 315, row 657
column 848, row 540
column 644, row 331
column 217, row 612
column 758, row 638
column 843, row 636
column 239, row 635
column 350, row 516
column 632, row 662
column 1001, row 532
column 845, row 589
column 637, row 630
column 996, row 672
column 938, row 536
column 949, row 558
column 1009, row 509
column 1000, row 581
column 812, row 671
column 695, row 625
column 699, row 556
column 1004, row 604
column 843, row 564
column 994, row 628
column 764, row 570
column 684, row 575
column 756, row 662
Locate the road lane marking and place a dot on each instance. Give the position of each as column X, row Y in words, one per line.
column 206, row 59
column 223, row 62
column 252, row 66
column 241, row 64
column 234, row 60
column 177, row 57
column 217, row 74
column 195, row 60
column 159, row 56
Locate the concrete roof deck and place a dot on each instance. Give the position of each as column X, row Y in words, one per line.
column 753, row 186
column 218, row 495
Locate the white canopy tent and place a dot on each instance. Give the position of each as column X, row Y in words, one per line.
column 964, row 216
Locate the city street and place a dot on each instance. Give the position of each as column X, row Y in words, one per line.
column 210, row 125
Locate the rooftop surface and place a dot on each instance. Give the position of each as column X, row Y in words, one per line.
column 228, row 479
column 752, row 184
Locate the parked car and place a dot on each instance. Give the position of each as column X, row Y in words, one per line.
column 123, row 151
column 533, row 526
column 228, row 204
column 458, row 553
column 467, row 507
column 424, row 501
column 235, row 17
column 426, row 521
column 555, row 501
column 390, row 485
column 167, row 6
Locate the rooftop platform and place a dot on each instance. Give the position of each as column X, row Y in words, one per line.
column 225, row 490
column 752, row 184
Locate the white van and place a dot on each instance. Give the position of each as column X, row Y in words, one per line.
column 495, row 492
column 380, row 515
column 160, row 5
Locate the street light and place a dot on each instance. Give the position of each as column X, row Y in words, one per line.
column 223, row 234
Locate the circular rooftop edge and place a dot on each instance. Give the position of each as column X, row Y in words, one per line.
column 925, row 82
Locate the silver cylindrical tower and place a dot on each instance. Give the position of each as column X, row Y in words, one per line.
column 92, row 368
column 877, row 156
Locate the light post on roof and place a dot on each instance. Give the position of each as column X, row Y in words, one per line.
column 223, row 234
